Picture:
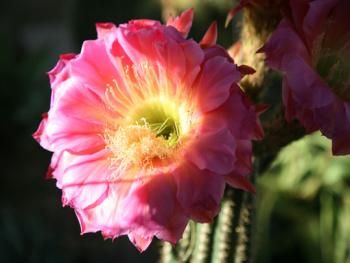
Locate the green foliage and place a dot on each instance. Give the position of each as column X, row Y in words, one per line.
column 304, row 205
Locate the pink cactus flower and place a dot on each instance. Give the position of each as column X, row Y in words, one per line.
column 146, row 127
column 311, row 46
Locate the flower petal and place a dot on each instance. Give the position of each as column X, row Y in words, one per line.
column 240, row 182
column 213, row 87
column 140, row 242
column 240, row 116
column 76, row 120
column 199, row 191
column 104, row 29
column 183, row 22
column 158, row 211
column 213, row 148
column 284, row 41
column 60, row 73
column 84, row 179
column 94, row 67
column 210, row 37
column 143, row 207
column 295, row 48
column 244, row 155
column 304, row 81
column 334, row 122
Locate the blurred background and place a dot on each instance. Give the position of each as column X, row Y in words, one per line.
column 303, row 199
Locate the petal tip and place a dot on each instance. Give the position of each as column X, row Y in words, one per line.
column 240, row 182
column 210, row 37
column 38, row 134
column 183, row 22
column 103, row 28
column 140, row 242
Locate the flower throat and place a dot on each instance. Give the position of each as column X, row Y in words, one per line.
column 151, row 133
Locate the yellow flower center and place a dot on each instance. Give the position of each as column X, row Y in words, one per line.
column 161, row 118
column 150, row 133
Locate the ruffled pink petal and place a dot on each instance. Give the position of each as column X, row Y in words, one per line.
column 213, row 148
column 181, row 64
column 84, row 179
column 75, row 121
column 238, row 178
column 141, row 208
column 194, row 57
column 104, row 72
column 183, row 22
column 199, row 191
column 175, row 60
column 94, row 67
column 78, row 113
column 139, row 241
column 244, row 155
column 218, row 51
column 109, row 215
column 158, row 212
column 240, row 115
column 210, row 37
column 138, row 44
column 59, row 73
column 113, row 215
column 174, row 64
column 214, row 83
